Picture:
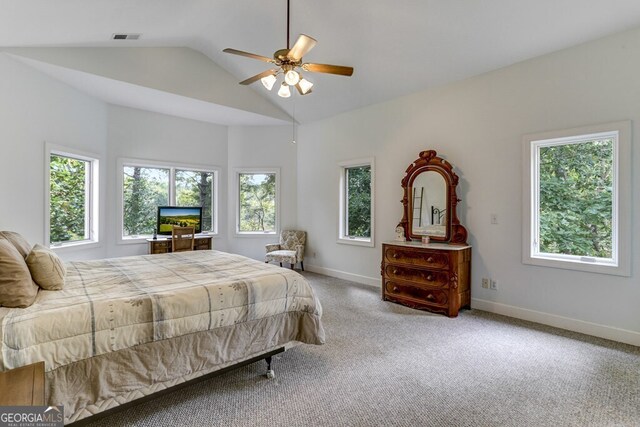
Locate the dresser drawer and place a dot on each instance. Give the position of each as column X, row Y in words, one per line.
column 422, row 258
column 430, row 296
column 436, row 278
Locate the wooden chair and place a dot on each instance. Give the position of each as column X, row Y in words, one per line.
column 182, row 238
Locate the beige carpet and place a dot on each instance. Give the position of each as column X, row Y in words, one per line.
column 387, row 365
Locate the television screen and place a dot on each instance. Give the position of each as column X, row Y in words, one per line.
column 168, row 216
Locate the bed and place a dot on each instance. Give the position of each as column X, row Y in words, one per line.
column 124, row 328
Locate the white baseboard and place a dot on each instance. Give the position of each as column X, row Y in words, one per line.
column 344, row 275
column 588, row 328
column 595, row 329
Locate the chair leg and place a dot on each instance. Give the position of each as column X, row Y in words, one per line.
column 291, row 266
column 302, row 265
column 280, row 264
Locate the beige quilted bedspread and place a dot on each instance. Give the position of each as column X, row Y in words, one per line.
column 114, row 304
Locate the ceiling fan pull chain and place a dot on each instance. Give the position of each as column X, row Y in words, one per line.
column 293, row 122
column 288, row 31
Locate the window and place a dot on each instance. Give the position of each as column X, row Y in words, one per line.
column 195, row 188
column 72, row 197
column 144, row 189
column 356, row 202
column 576, row 211
column 146, row 186
column 257, row 211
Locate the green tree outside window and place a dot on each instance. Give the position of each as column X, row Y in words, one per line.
column 144, row 190
column 576, row 198
column 257, row 202
column 194, row 188
column 68, row 199
column 358, row 203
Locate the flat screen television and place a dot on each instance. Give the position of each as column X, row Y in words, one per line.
column 168, row 216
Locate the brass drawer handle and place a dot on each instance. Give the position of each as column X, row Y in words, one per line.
column 430, row 297
column 430, row 259
column 430, row 277
column 396, row 255
column 395, row 289
column 395, row 271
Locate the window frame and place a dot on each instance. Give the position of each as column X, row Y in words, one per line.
column 620, row 264
column 342, row 204
column 237, row 173
column 92, row 194
column 172, row 166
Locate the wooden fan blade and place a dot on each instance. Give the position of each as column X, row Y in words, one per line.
column 258, row 77
column 303, row 45
column 248, row 55
column 330, row 69
column 300, row 90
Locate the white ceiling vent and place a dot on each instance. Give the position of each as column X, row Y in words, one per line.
column 125, row 36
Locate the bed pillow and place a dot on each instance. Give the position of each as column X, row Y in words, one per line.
column 46, row 268
column 17, row 289
column 19, row 242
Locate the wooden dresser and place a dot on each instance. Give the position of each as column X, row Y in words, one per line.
column 433, row 277
column 162, row 245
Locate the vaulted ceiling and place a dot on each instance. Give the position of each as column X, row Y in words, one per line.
column 396, row 47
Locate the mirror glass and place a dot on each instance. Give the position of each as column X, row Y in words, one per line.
column 429, row 205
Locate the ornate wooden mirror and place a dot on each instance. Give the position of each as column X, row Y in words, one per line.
column 430, row 201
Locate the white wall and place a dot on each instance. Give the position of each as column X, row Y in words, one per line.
column 176, row 70
column 150, row 136
column 35, row 108
column 477, row 125
column 262, row 147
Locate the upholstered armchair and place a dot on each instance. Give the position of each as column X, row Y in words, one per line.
column 289, row 250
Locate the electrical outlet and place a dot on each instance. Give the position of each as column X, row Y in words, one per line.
column 493, row 285
column 494, row 219
column 486, row 283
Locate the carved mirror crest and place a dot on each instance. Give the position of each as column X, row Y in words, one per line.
column 430, row 201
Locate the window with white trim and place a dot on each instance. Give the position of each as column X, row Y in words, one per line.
column 72, row 197
column 258, row 201
column 576, row 212
column 145, row 186
column 356, row 223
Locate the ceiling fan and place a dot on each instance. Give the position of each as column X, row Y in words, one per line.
column 289, row 63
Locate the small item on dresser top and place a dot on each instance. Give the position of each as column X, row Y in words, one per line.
column 425, row 240
column 400, row 234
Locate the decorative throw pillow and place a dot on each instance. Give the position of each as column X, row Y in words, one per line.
column 17, row 289
column 18, row 242
column 46, row 268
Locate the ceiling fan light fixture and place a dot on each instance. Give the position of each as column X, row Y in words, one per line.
column 292, row 77
column 268, row 81
column 284, row 91
column 305, row 85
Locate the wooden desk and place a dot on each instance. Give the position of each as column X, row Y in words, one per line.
column 23, row 386
column 162, row 245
